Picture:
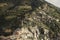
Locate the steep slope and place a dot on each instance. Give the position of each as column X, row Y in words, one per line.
column 29, row 20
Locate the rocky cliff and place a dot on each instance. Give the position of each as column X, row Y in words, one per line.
column 29, row 20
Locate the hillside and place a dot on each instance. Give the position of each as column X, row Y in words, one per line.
column 29, row 20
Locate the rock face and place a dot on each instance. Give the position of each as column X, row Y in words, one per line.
column 31, row 33
column 30, row 20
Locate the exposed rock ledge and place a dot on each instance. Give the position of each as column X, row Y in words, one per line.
column 29, row 33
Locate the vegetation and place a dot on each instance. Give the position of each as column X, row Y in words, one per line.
column 16, row 16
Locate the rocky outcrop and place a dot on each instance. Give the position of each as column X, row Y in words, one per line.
column 31, row 20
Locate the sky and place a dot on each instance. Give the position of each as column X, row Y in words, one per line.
column 54, row 2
